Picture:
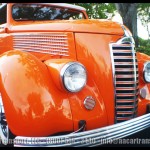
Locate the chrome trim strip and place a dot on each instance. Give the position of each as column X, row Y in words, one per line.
column 126, row 34
column 96, row 136
column 135, row 79
column 126, row 39
column 114, row 76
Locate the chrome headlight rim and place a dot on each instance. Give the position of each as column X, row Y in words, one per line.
column 62, row 73
column 144, row 70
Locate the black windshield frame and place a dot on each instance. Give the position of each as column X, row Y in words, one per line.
column 35, row 12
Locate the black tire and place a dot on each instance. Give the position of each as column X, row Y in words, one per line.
column 6, row 136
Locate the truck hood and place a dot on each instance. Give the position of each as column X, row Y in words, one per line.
column 84, row 26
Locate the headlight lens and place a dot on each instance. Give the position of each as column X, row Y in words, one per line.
column 73, row 76
column 146, row 72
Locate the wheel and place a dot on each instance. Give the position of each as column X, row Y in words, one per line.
column 5, row 133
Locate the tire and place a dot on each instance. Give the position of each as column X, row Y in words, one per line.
column 6, row 136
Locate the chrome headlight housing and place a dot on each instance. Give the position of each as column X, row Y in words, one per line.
column 73, row 76
column 146, row 72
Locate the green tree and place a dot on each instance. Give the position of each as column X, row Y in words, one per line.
column 128, row 12
column 98, row 10
column 144, row 15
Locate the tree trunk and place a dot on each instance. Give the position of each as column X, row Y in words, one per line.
column 128, row 12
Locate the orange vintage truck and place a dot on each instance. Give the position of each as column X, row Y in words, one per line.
column 66, row 80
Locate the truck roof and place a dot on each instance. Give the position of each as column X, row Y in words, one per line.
column 59, row 4
column 67, row 5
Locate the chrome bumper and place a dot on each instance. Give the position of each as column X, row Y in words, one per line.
column 88, row 138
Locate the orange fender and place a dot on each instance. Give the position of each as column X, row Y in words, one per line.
column 142, row 58
column 34, row 106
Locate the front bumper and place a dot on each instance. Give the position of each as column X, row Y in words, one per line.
column 88, row 138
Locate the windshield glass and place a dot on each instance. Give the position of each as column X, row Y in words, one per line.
column 23, row 12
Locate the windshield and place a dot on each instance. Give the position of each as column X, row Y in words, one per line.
column 23, row 12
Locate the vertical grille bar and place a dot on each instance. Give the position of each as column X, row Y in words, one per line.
column 125, row 73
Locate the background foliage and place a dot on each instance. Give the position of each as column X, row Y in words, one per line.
column 98, row 10
column 144, row 46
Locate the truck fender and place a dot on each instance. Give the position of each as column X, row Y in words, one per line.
column 144, row 87
column 30, row 97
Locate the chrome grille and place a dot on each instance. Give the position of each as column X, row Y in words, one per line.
column 50, row 43
column 125, row 70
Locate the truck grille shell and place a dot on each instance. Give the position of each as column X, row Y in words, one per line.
column 125, row 74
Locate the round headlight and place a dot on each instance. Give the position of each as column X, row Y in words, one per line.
column 146, row 72
column 73, row 76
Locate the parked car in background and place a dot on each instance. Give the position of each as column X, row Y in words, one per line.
column 66, row 80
